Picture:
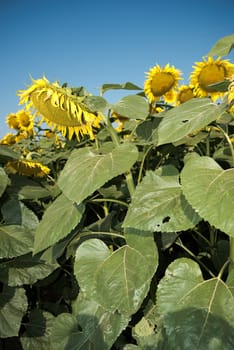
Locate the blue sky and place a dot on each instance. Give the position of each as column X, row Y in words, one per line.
column 90, row 43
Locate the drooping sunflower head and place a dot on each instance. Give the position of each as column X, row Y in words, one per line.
column 27, row 168
column 185, row 93
column 161, row 81
column 209, row 72
column 9, row 139
column 60, row 108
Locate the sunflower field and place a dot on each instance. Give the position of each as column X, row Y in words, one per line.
column 116, row 220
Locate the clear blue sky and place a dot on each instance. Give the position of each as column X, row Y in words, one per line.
column 89, row 43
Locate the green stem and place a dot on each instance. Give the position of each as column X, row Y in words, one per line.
column 231, row 253
column 109, row 200
column 142, row 163
column 116, row 141
column 229, row 143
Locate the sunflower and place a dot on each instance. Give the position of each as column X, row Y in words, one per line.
column 60, row 108
column 161, row 81
column 184, row 94
column 27, row 167
column 209, row 72
column 12, row 121
column 8, row 139
column 25, row 120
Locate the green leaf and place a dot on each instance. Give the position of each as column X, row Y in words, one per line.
column 26, row 188
column 210, row 191
column 86, row 170
column 122, row 281
column 197, row 313
column 16, row 213
column 38, row 331
column 89, row 255
column 95, row 103
column 99, row 326
column 13, row 305
column 223, row 46
column 15, row 240
column 4, row 181
column 6, row 153
column 159, row 205
column 124, row 86
column 190, row 116
column 132, row 106
column 24, row 270
column 49, row 231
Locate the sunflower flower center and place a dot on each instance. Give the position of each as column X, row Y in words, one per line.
column 161, row 83
column 211, row 74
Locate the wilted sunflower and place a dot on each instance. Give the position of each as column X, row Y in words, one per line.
column 209, row 72
column 27, row 167
column 60, row 108
column 184, row 94
column 161, row 81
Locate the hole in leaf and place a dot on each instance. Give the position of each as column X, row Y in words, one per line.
column 166, row 219
column 185, row 121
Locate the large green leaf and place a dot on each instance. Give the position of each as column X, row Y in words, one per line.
column 6, row 153
column 15, row 240
column 223, row 46
column 27, row 188
column 16, row 213
column 95, row 103
column 123, row 280
column 197, row 313
column 132, row 106
column 89, row 256
column 13, row 305
column 210, row 191
column 24, row 270
column 159, row 205
column 58, row 221
column 187, row 118
column 3, row 181
column 38, row 330
column 86, row 170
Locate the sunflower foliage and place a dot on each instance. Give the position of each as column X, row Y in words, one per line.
column 116, row 220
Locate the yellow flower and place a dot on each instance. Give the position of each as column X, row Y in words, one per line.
column 25, row 120
column 161, row 81
column 8, row 139
column 12, row 121
column 184, row 94
column 210, row 72
column 27, row 167
column 60, row 108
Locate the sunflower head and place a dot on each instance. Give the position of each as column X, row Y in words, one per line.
column 209, row 72
column 184, row 94
column 27, row 168
column 161, row 81
column 8, row 140
column 12, row 121
column 60, row 108
column 25, row 120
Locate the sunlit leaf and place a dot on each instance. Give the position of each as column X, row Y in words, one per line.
column 210, row 190
column 67, row 216
column 132, row 106
column 13, row 305
column 15, row 240
column 193, row 309
column 87, row 170
column 96, row 103
column 124, row 86
column 122, row 281
column 187, row 118
column 37, row 333
column 24, row 270
column 159, row 205
column 223, row 46
column 4, row 181
column 6, row 153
